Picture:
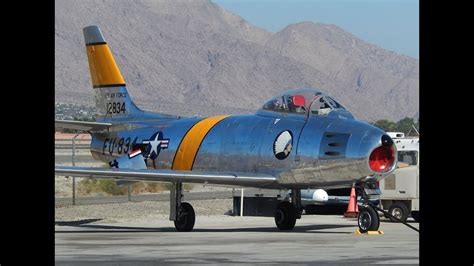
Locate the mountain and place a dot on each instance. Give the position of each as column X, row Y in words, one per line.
column 371, row 75
column 194, row 57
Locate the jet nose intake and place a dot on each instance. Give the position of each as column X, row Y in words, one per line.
column 383, row 158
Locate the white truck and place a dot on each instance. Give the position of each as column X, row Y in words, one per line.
column 400, row 191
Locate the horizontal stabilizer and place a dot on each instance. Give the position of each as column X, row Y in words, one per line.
column 81, row 125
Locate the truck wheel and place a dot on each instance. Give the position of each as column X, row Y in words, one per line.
column 285, row 216
column 368, row 219
column 399, row 210
column 415, row 215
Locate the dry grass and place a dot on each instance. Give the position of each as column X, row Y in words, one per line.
column 93, row 186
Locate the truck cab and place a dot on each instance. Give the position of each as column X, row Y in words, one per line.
column 400, row 190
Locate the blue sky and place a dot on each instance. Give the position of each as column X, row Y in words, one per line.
column 390, row 24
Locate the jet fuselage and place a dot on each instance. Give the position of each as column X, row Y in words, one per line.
column 325, row 151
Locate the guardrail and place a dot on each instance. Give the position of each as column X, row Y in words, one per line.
column 164, row 196
column 74, row 144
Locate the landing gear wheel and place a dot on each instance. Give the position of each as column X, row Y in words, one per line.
column 415, row 215
column 398, row 210
column 186, row 218
column 368, row 219
column 285, row 216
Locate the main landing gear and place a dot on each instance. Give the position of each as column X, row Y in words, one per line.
column 287, row 212
column 182, row 213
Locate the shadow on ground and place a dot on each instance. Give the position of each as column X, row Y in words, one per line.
column 85, row 227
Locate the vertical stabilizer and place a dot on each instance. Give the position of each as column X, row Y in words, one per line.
column 111, row 96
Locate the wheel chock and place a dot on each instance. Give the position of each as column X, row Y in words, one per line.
column 358, row 232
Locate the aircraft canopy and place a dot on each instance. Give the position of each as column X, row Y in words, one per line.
column 302, row 101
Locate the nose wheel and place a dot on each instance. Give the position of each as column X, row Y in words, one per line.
column 368, row 219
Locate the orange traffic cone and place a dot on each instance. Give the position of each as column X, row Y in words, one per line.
column 352, row 208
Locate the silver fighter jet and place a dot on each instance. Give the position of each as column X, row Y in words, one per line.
column 300, row 139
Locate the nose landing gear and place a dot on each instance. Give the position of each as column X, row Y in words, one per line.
column 368, row 218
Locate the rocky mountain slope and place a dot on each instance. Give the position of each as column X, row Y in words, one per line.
column 194, row 57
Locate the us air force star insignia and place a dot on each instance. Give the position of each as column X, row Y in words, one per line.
column 283, row 145
column 155, row 144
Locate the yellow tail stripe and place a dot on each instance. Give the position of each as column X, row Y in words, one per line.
column 104, row 70
column 189, row 146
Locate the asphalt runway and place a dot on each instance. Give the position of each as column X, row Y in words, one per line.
column 316, row 239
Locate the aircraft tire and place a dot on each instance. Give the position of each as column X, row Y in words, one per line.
column 415, row 215
column 186, row 218
column 285, row 216
column 368, row 219
column 399, row 210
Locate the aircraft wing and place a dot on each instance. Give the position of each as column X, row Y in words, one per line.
column 81, row 125
column 218, row 178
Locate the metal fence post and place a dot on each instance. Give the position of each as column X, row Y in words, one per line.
column 74, row 164
column 242, row 202
column 129, row 193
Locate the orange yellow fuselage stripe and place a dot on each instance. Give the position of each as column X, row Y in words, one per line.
column 104, row 70
column 189, row 146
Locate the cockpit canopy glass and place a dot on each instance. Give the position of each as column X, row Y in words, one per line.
column 302, row 101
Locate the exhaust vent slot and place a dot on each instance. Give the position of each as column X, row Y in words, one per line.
column 333, row 145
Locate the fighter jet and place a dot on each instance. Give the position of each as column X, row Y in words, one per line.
column 300, row 139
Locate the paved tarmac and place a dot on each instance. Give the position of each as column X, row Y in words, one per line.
column 316, row 239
